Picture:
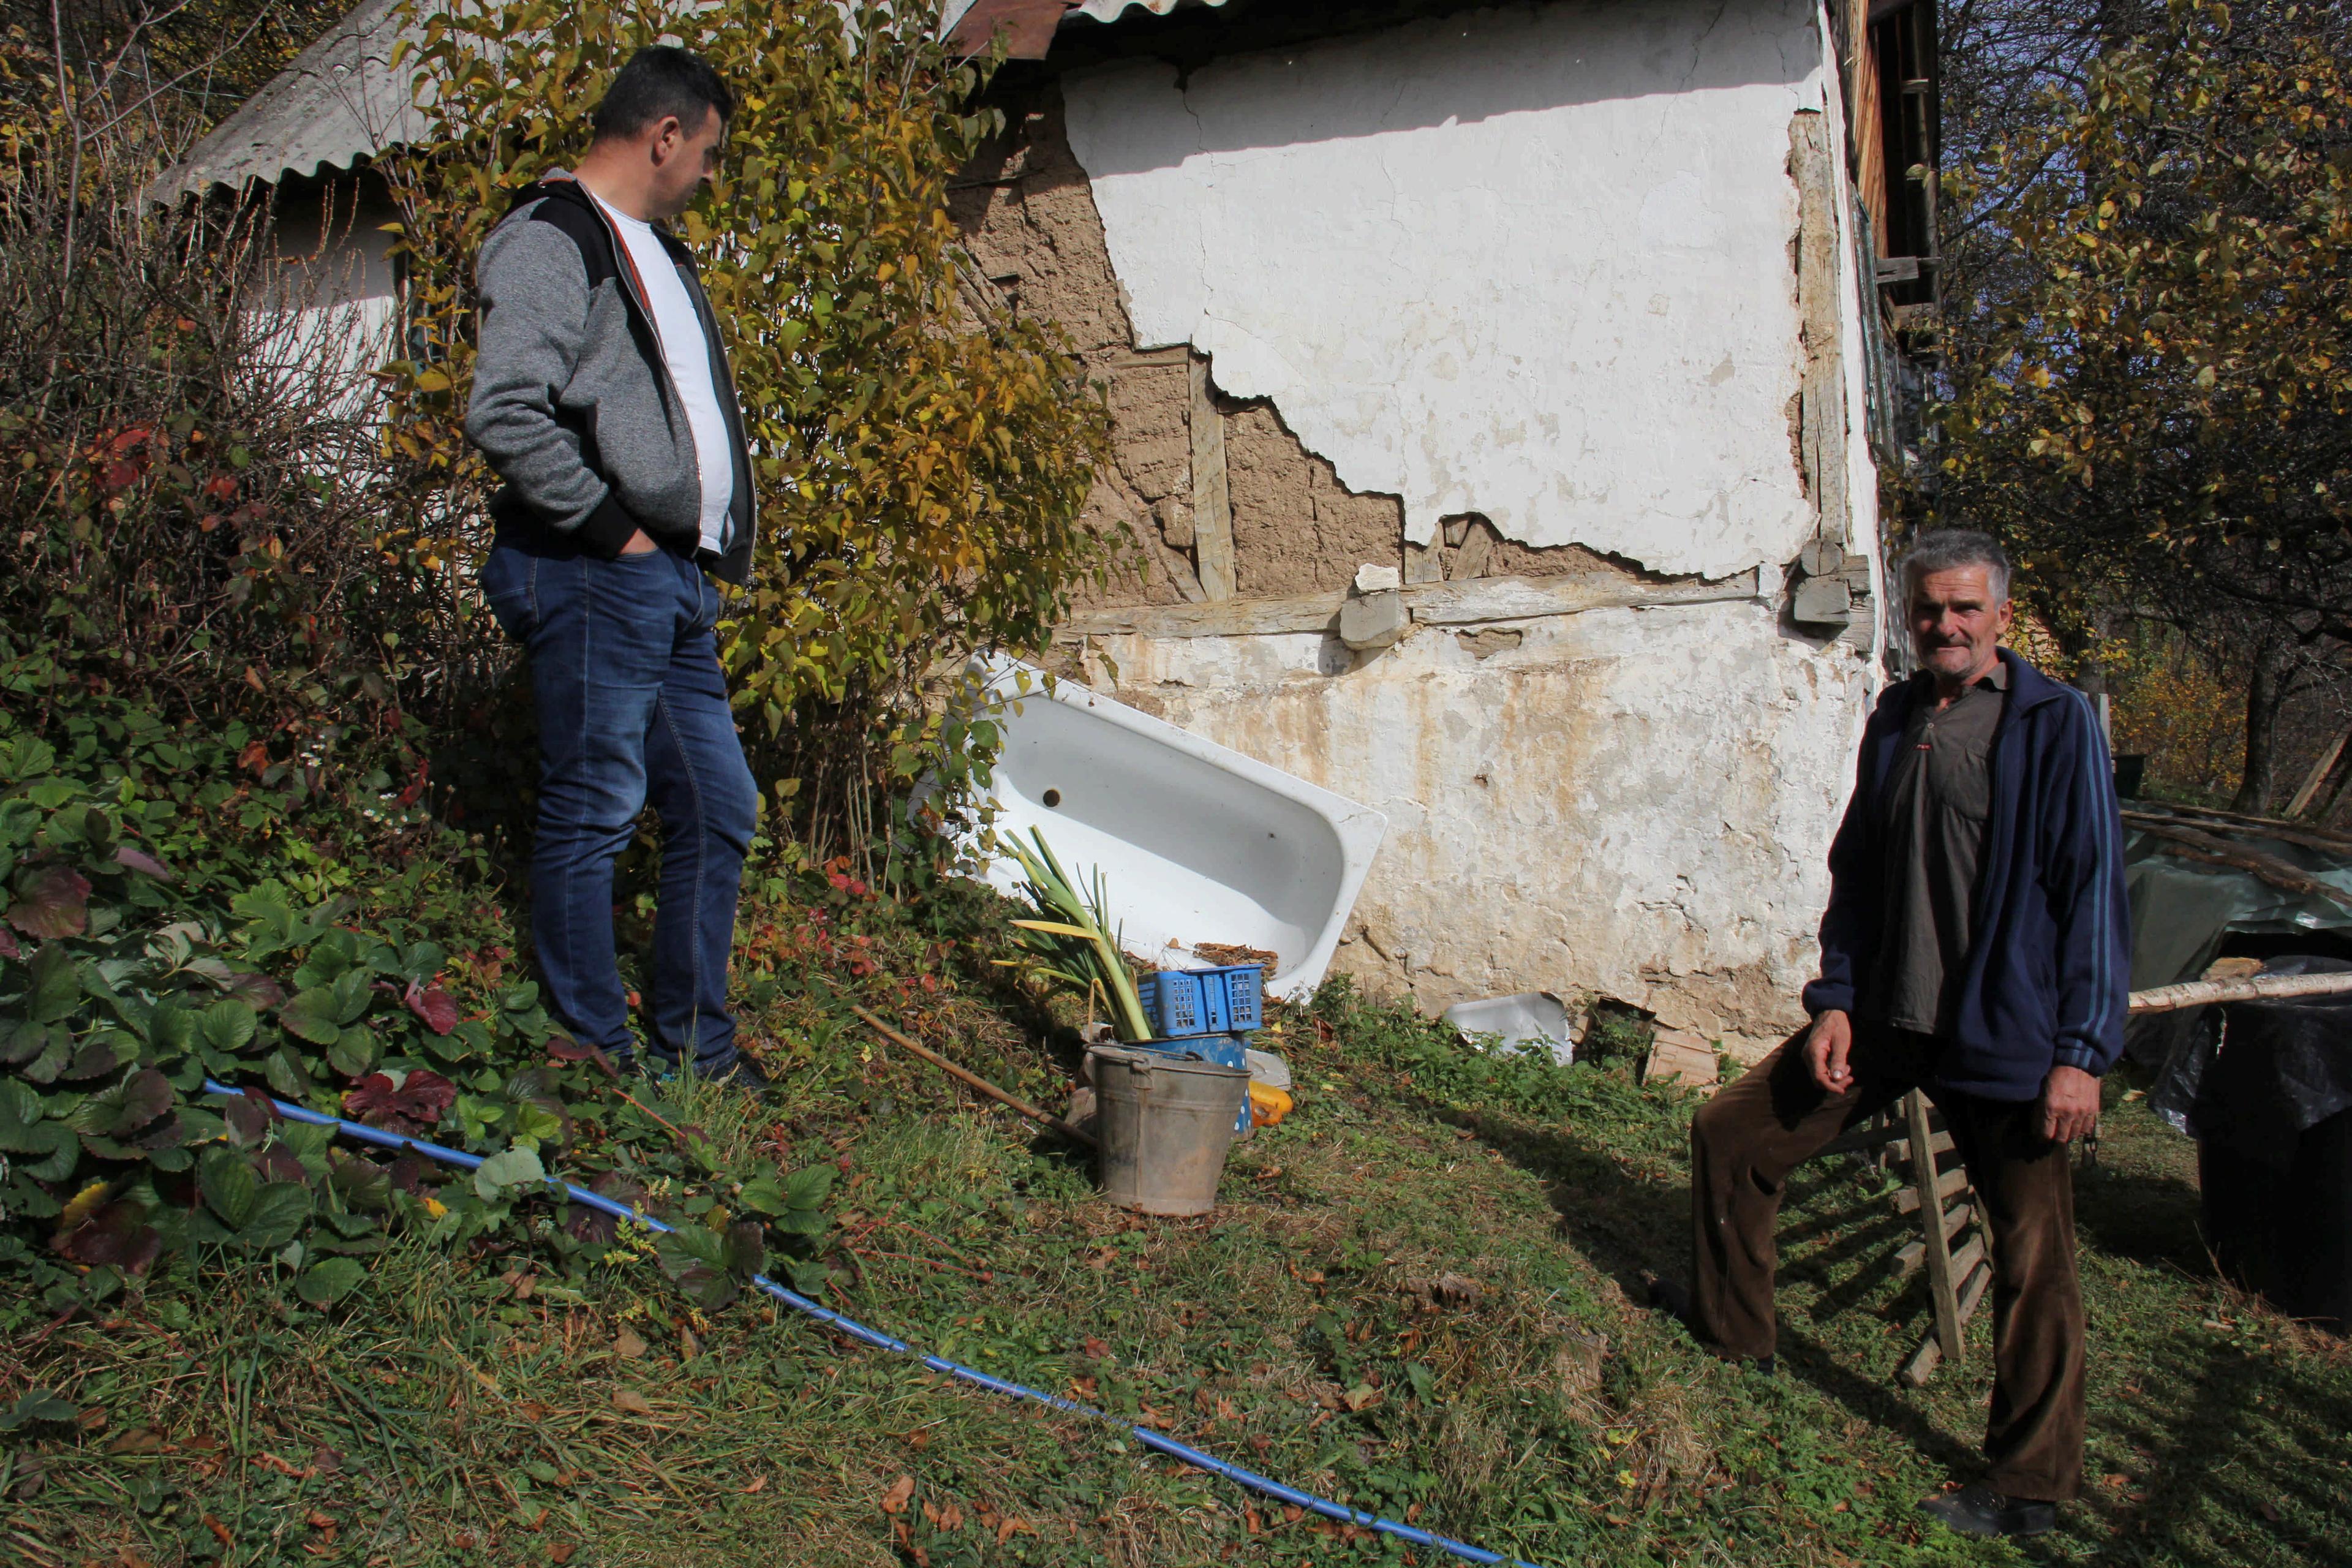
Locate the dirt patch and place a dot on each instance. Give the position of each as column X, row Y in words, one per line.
column 1488, row 641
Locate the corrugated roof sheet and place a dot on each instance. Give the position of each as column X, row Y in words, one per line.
column 340, row 101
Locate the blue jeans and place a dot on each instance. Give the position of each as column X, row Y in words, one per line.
column 632, row 706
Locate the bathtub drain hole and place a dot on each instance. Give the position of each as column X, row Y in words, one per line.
column 1053, row 798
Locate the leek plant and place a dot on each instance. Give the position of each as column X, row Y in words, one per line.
column 1066, row 940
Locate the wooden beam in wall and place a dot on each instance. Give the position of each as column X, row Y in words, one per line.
column 1465, row 604
column 1213, row 510
column 1821, row 412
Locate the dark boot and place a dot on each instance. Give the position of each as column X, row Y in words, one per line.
column 1669, row 1297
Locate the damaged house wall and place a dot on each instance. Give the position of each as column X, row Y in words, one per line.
column 1479, row 262
column 1552, row 309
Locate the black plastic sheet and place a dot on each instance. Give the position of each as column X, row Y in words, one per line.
column 2279, row 1068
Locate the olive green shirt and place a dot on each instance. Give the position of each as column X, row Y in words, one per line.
column 1935, row 802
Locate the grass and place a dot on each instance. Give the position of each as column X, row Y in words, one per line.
column 1414, row 1296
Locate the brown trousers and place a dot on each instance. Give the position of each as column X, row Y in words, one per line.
column 1747, row 1140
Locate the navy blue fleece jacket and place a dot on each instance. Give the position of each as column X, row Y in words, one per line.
column 2048, row 973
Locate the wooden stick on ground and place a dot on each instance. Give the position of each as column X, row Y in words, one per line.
column 2252, row 988
column 974, row 1081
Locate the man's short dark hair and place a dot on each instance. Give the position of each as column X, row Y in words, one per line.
column 657, row 82
column 1944, row 549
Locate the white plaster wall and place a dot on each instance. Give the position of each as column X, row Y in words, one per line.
column 1528, row 263
column 1634, row 803
column 329, row 301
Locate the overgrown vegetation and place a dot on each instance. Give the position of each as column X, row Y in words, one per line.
column 2149, row 389
column 176, row 921
column 921, row 453
column 1415, row 1297
column 242, row 630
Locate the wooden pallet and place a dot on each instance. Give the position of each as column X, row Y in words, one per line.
column 1953, row 1244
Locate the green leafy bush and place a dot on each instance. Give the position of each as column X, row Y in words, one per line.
column 146, row 947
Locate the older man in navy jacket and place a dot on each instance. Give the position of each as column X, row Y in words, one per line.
column 1976, row 945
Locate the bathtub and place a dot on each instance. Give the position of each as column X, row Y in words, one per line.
column 1196, row 843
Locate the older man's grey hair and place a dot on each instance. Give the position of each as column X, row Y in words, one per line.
column 1948, row 549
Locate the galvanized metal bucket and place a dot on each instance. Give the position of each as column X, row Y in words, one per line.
column 1165, row 1123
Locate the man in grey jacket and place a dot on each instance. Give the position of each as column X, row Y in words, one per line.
column 602, row 398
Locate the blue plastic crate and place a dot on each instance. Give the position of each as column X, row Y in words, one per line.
column 1224, row 1051
column 1172, row 1003
column 1179, row 1002
column 1243, row 986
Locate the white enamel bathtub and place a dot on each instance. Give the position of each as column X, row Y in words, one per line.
column 1196, row 843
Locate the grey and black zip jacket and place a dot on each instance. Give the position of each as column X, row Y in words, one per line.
column 573, row 404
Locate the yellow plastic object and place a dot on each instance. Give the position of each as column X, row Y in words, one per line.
column 1268, row 1105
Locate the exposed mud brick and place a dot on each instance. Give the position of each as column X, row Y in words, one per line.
column 1296, row 529
column 1148, row 408
column 1029, row 221
column 1488, row 641
column 1028, row 218
column 1148, row 571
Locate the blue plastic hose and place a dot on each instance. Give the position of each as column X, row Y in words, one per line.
column 1263, row 1484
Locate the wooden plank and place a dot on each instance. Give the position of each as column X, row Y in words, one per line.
column 2309, row 834
column 1965, row 1259
column 1213, row 510
column 1863, row 1138
column 1822, row 406
column 1939, row 1143
column 1678, row 1054
column 1973, row 1292
column 1477, row 544
column 1176, row 358
column 1527, row 599
column 1922, row 1362
column 1233, row 617
column 1179, row 567
column 2203, row 846
column 1950, row 1185
column 1912, row 1255
column 1929, row 1186
column 2317, row 776
column 1433, row 604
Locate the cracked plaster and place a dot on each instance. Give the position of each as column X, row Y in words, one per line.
column 1575, row 175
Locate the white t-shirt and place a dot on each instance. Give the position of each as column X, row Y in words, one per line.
column 688, row 354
